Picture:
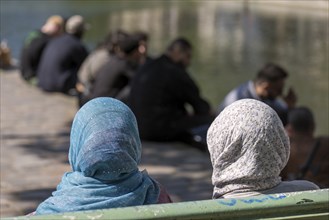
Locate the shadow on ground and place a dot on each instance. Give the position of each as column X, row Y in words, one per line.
column 43, row 145
column 35, row 196
column 184, row 171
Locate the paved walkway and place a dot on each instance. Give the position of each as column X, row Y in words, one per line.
column 34, row 143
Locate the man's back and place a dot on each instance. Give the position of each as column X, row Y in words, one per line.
column 308, row 160
column 243, row 91
column 111, row 78
column 60, row 62
column 31, row 53
column 91, row 66
column 159, row 93
column 247, row 91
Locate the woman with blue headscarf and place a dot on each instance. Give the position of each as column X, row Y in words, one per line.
column 105, row 150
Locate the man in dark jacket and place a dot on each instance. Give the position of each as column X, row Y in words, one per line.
column 62, row 58
column 161, row 92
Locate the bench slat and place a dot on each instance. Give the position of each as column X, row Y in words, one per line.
column 298, row 205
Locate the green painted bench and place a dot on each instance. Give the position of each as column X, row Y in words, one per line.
column 298, row 205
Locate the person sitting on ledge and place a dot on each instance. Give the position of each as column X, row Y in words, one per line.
column 248, row 148
column 167, row 101
column 105, row 150
column 62, row 58
column 309, row 155
column 266, row 87
column 34, row 45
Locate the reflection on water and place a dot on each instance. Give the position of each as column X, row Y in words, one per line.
column 231, row 40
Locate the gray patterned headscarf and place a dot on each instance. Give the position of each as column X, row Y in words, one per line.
column 248, row 148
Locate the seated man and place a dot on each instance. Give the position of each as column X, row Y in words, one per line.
column 160, row 93
column 6, row 60
column 61, row 59
column 35, row 43
column 112, row 80
column 309, row 155
column 267, row 87
column 95, row 61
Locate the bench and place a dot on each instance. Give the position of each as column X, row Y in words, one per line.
column 298, row 205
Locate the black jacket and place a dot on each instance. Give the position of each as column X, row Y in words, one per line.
column 160, row 91
column 31, row 53
column 60, row 63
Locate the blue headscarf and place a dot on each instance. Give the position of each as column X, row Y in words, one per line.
column 105, row 150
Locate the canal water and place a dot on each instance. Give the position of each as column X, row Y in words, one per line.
column 231, row 40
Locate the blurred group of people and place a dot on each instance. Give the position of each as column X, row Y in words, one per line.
column 159, row 90
column 55, row 59
column 51, row 56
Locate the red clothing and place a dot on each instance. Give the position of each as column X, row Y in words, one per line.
column 164, row 196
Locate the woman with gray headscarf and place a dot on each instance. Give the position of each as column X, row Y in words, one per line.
column 249, row 148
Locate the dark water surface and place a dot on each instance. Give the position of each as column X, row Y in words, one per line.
column 231, row 40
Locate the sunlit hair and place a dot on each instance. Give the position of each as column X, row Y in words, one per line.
column 271, row 73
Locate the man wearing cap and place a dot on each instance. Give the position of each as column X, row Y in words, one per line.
column 35, row 43
column 62, row 58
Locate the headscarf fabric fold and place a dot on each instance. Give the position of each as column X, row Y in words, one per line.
column 248, row 148
column 105, row 150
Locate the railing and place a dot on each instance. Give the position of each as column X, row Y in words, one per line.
column 298, row 205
